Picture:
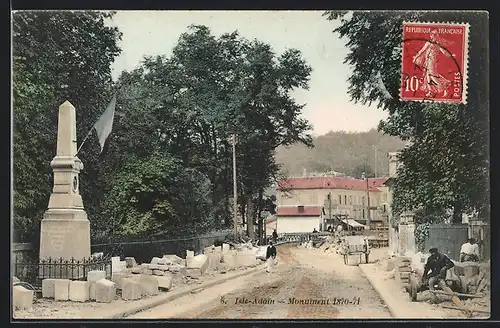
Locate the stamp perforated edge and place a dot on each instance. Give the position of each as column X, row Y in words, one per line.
column 465, row 72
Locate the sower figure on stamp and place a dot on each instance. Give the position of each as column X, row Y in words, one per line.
column 437, row 264
column 427, row 60
column 270, row 257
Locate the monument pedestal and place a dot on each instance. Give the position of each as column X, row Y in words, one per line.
column 65, row 234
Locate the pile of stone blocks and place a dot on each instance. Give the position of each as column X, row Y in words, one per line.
column 96, row 288
column 165, row 266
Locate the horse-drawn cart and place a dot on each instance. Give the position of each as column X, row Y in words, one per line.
column 355, row 245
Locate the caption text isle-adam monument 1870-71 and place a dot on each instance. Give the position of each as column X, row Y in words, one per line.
column 65, row 229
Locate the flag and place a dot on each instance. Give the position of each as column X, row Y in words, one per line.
column 104, row 124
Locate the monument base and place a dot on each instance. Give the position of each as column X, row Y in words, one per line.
column 65, row 234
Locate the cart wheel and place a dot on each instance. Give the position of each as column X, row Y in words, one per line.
column 413, row 288
column 366, row 257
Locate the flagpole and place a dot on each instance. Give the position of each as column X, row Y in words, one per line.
column 88, row 135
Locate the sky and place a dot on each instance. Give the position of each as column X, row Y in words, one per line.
column 328, row 106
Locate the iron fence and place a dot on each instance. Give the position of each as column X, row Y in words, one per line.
column 33, row 272
column 144, row 251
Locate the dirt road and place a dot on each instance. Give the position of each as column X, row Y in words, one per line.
column 305, row 284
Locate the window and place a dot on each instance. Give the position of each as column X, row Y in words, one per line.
column 363, row 213
column 345, row 199
column 340, row 199
column 300, row 209
column 350, row 200
column 384, row 208
column 363, row 202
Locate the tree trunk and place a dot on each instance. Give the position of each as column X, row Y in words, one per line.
column 259, row 216
column 250, row 218
column 457, row 215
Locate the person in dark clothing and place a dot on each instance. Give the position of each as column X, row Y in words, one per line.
column 315, row 231
column 270, row 257
column 275, row 236
column 436, row 267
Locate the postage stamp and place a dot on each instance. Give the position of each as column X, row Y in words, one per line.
column 434, row 62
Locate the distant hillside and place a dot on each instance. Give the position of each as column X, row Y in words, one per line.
column 349, row 153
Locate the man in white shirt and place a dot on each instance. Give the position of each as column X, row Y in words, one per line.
column 469, row 251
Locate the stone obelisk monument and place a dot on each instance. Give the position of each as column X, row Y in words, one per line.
column 65, row 229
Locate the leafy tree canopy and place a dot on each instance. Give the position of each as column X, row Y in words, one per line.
column 446, row 166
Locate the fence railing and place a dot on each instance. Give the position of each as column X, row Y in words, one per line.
column 34, row 272
column 144, row 251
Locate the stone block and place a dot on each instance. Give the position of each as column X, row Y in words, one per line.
column 92, row 290
column 189, row 253
column 164, row 282
column 48, row 288
column 105, row 291
column 22, row 298
column 145, row 265
column 95, row 275
column 193, row 272
column 149, row 285
column 244, row 259
column 131, row 289
column 164, row 261
column 147, row 272
column 137, row 270
column 158, row 267
column 130, row 262
column 225, row 248
column 198, row 262
column 209, row 250
column 79, row 291
column 158, row 272
column 177, row 269
column 15, row 279
column 118, row 277
column 61, row 289
column 155, row 260
column 123, row 265
column 115, row 264
column 173, row 258
column 229, row 260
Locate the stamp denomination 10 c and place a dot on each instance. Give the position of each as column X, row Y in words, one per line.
column 434, row 62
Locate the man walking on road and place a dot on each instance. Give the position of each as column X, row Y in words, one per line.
column 275, row 236
column 437, row 264
column 270, row 257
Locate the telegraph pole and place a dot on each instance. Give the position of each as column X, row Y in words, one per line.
column 330, row 207
column 368, row 202
column 235, row 190
column 375, row 149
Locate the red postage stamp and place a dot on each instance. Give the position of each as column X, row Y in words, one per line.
column 434, row 62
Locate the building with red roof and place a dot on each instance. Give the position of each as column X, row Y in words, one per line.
column 305, row 203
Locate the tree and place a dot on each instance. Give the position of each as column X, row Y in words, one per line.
column 57, row 56
column 208, row 89
column 446, row 165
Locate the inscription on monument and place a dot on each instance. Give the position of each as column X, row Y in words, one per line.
column 57, row 236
